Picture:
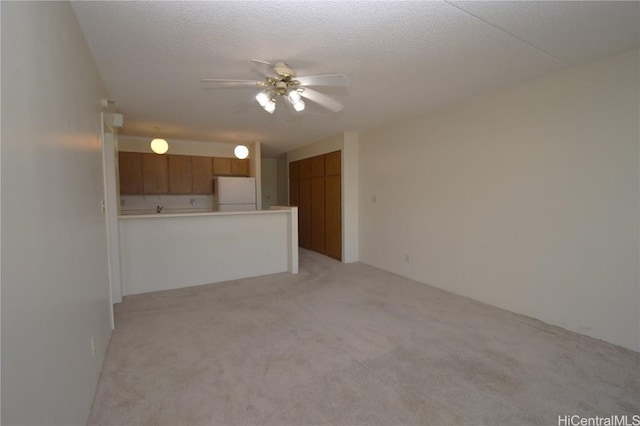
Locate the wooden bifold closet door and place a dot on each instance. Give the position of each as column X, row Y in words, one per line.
column 317, row 204
column 315, row 188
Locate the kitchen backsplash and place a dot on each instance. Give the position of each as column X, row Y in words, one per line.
column 148, row 204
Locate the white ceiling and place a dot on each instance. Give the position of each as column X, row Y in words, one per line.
column 401, row 58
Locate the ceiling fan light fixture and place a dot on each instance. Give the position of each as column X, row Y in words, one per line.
column 270, row 106
column 262, row 98
column 294, row 97
column 299, row 106
column 286, row 84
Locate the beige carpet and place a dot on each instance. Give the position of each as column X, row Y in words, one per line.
column 349, row 345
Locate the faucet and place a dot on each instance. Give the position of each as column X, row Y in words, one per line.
column 159, row 209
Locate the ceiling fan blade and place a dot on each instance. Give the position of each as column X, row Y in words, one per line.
column 321, row 99
column 261, row 62
column 324, row 80
column 230, row 83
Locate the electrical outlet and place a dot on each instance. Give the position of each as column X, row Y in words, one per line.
column 192, row 202
column 93, row 345
column 406, row 258
column 373, row 199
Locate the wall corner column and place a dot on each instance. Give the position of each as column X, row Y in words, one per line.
column 255, row 170
column 350, row 173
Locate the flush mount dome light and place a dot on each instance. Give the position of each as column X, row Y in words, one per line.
column 241, row 152
column 159, row 146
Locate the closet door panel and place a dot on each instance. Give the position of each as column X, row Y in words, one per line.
column 317, row 214
column 304, row 214
column 294, row 193
column 333, row 163
column 317, row 166
column 294, row 170
column 305, row 168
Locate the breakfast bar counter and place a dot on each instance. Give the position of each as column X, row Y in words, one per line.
column 172, row 250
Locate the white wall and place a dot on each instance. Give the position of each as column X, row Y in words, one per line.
column 350, row 191
column 164, row 252
column 170, row 203
column 269, row 182
column 55, row 288
column 324, row 146
column 526, row 199
column 348, row 143
column 283, row 181
column 255, row 170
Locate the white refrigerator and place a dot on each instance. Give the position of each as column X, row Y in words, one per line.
column 234, row 194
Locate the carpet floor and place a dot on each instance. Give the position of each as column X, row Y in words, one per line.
column 349, row 345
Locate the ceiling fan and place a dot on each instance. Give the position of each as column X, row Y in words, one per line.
column 286, row 84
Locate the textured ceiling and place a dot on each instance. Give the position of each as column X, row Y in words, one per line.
column 401, row 58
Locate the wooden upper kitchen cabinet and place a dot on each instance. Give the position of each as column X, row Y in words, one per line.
column 180, row 174
column 221, row 166
column 155, row 174
column 146, row 173
column 240, row 167
column 130, row 172
column 202, row 175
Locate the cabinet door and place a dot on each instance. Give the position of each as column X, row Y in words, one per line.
column 202, row 175
column 294, row 193
column 332, row 163
column 155, row 174
column 180, row 174
column 305, row 168
column 317, row 214
column 294, row 170
column 304, row 213
column 130, row 172
column 221, row 166
column 317, row 166
column 333, row 216
column 240, row 167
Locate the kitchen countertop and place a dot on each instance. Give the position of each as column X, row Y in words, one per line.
column 161, row 215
